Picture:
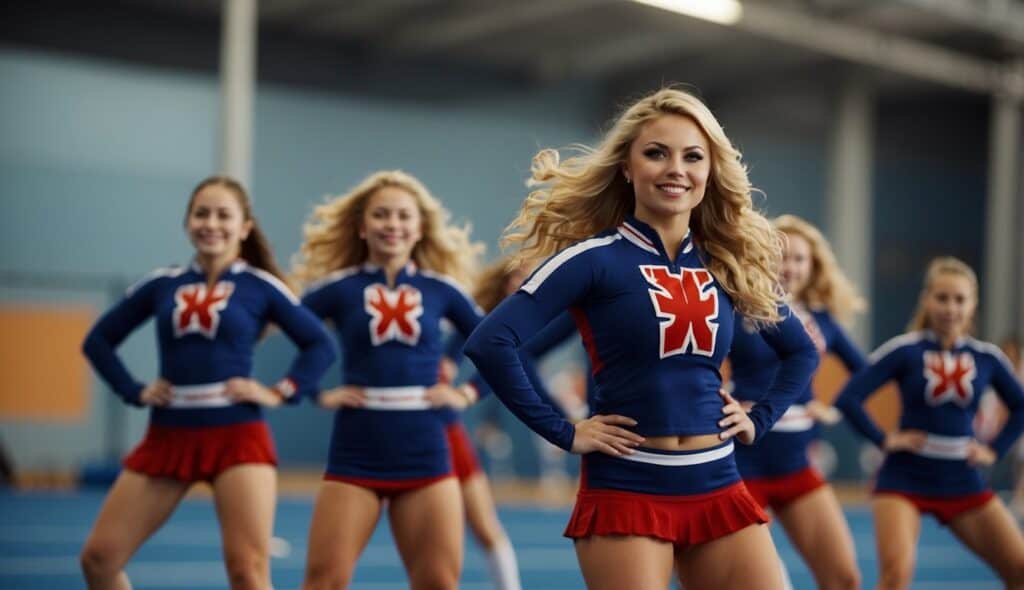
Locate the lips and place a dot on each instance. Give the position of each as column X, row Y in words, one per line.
column 673, row 189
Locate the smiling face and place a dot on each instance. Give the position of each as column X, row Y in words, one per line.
column 668, row 164
column 216, row 224
column 949, row 304
column 797, row 265
column 391, row 224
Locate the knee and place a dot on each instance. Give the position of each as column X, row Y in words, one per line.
column 100, row 559
column 326, row 576
column 248, row 570
column 845, row 578
column 435, row 577
column 896, row 573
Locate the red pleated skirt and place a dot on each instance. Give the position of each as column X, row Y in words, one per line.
column 944, row 508
column 201, row 453
column 464, row 461
column 681, row 520
column 777, row 492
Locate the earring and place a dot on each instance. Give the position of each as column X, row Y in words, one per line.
column 629, row 180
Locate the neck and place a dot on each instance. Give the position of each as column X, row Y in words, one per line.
column 948, row 340
column 392, row 265
column 671, row 229
column 214, row 266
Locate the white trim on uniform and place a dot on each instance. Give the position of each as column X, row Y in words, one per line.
column 636, row 238
column 894, row 343
column 206, row 395
column 936, row 446
column 165, row 271
column 680, row 460
column 796, row 419
column 333, row 277
column 412, row 397
column 564, row 256
column 274, row 281
column 451, row 282
column 992, row 349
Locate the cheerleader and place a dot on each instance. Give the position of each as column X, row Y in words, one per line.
column 653, row 245
column 383, row 265
column 777, row 470
column 932, row 461
column 206, row 420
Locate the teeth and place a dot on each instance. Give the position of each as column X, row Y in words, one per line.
column 677, row 190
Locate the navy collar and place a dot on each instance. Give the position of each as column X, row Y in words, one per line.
column 646, row 238
column 933, row 337
column 408, row 270
column 235, row 268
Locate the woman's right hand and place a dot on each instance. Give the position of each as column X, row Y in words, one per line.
column 601, row 433
column 346, row 396
column 157, row 393
column 905, row 440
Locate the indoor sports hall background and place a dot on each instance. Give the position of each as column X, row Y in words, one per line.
column 894, row 126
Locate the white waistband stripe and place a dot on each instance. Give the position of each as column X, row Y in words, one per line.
column 945, row 447
column 206, row 395
column 796, row 419
column 680, row 460
column 412, row 397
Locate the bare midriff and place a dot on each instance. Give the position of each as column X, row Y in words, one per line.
column 681, row 443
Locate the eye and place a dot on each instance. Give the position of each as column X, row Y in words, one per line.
column 693, row 156
column 655, row 153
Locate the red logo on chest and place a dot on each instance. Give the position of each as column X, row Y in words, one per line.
column 949, row 377
column 689, row 307
column 393, row 313
column 197, row 308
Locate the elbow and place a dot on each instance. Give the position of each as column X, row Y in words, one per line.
column 474, row 347
column 92, row 345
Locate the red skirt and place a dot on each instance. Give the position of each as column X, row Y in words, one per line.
column 464, row 461
column 944, row 508
column 778, row 492
column 201, row 453
column 385, row 488
column 681, row 520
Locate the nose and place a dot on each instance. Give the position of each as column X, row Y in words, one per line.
column 676, row 165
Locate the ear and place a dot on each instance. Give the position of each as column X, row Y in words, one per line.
column 625, row 172
column 247, row 229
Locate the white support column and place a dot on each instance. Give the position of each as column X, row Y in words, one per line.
column 849, row 199
column 1001, row 304
column 238, row 73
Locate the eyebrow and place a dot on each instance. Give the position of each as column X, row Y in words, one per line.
column 664, row 146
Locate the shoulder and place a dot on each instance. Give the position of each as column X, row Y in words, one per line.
column 156, row 276
column 580, row 252
column 989, row 350
column 332, row 279
column 896, row 345
column 446, row 282
column 268, row 280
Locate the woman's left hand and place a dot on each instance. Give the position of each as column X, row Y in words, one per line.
column 823, row 413
column 736, row 422
column 443, row 394
column 240, row 389
column 980, row 455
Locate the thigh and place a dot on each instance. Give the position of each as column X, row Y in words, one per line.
column 344, row 518
column 897, row 528
column 614, row 562
column 816, row 526
column 135, row 508
column 991, row 533
column 244, row 496
column 731, row 562
column 428, row 528
column 481, row 513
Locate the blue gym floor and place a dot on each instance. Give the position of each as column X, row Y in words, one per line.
column 41, row 534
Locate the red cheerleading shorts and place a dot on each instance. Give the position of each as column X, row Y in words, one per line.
column 666, row 501
column 464, row 461
column 385, row 488
column 195, row 453
column 778, row 492
column 943, row 508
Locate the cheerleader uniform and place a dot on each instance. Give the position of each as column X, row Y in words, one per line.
column 777, row 470
column 940, row 390
column 391, row 340
column 205, row 337
column 656, row 329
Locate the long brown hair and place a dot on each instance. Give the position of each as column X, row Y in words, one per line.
column 255, row 249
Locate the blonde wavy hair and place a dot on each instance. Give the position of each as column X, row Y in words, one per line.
column 828, row 288
column 491, row 284
column 587, row 194
column 940, row 266
column 332, row 239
